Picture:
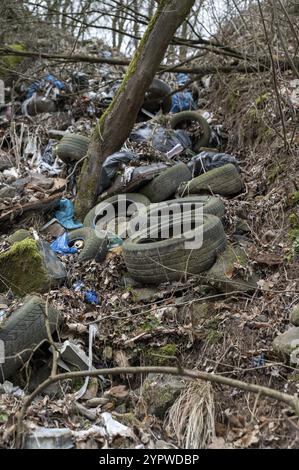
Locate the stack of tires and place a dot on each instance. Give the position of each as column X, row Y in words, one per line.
column 152, row 255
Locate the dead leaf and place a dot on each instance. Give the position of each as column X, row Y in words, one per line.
column 251, row 437
column 119, row 391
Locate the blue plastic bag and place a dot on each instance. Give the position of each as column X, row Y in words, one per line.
column 90, row 296
column 182, row 101
column 57, row 83
column 182, row 78
column 65, row 215
column 60, row 245
column 39, row 85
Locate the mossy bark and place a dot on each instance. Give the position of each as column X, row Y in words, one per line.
column 116, row 123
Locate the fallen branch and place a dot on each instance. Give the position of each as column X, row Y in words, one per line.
column 262, row 63
column 290, row 400
column 48, row 203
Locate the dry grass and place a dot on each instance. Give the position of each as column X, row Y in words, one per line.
column 192, row 416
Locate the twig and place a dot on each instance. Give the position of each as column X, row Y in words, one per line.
column 290, row 400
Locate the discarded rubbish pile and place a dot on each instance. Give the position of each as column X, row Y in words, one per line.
column 157, row 269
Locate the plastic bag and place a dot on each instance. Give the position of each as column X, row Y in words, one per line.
column 65, row 214
column 90, row 296
column 112, row 164
column 113, row 241
column 182, row 78
column 48, row 156
column 206, row 161
column 160, row 138
column 182, row 101
column 60, row 245
column 43, row 84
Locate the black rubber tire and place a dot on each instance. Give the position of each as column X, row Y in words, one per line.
column 225, row 181
column 157, row 97
column 72, row 147
column 23, row 331
column 186, row 116
column 132, row 198
column 211, row 204
column 95, row 244
column 169, row 259
column 165, row 185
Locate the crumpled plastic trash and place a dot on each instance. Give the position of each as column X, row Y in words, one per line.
column 90, row 296
column 182, row 100
column 80, row 80
column 182, row 78
column 258, row 361
column 48, row 156
column 112, row 164
column 206, row 161
column 65, row 214
column 47, row 161
column 60, row 245
column 109, row 92
column 114, row 241
column 44, row 83
column 160, row 138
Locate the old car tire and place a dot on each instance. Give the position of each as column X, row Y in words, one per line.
column 165, row 185
column 189, row 116
column 72, row 147
column 153, row 262
column 225, row 181
column 95, row 243
column 132, row 198
column 210, row 204
column 23, row 331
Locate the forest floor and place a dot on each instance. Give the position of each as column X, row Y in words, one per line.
column 162, row 326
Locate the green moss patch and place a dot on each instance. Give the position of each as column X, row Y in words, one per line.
column 161, row 356
column 22, row 269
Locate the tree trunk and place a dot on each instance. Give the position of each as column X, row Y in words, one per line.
column 115, row 125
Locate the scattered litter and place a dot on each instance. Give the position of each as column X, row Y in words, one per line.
column 159, row 137
column 175, row 151
column 49, row 84
column 114, row 241
column 90, row 296
column 53, row 228
column 49, row 438
column 109, row 429
column 91, row 336
column 73, row 355
column 11, row 172
column 8, row 387
column 182, row 100
column 206, row 161
column 112, row 164
column 65, row 215
column 258, row 361
column 60, row 245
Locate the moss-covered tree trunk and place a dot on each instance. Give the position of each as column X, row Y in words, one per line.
column 117, row 122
